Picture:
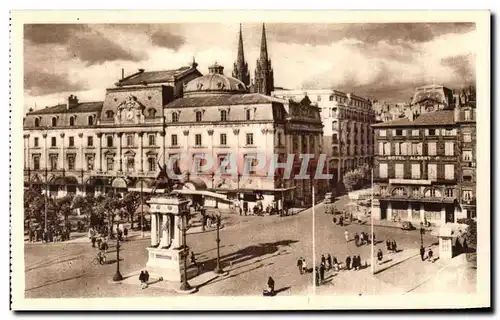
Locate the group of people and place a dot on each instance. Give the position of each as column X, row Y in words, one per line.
column 144, row 278
column 51, row 235
column 391, row 245
column 363, row 238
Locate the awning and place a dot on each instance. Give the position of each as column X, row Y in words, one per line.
column 119, row 183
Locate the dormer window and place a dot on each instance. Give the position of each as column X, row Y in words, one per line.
column 54, row 122
column 37, row 122
column 248, row 114
column 90, row 120
column 71, row 121
column 151, row 113
column 198, row 116
column 109, row 114
column 175, row 117
column 223, row 115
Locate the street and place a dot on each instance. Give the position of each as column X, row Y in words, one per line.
column 252, row 249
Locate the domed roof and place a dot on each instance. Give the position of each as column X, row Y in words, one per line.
column 214, row 82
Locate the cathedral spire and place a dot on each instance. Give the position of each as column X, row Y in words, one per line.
column 240, row 70
column 263, row 45
column 264, row 76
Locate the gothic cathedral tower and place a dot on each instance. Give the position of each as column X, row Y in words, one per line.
column 240, row 70
column 264, row 77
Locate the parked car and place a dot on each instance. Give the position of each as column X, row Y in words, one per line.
column 407, row 225
column 328, row 197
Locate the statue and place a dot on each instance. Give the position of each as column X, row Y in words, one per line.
column 162, row 179
column 165, row 240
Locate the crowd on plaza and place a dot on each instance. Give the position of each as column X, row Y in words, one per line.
column 53, row 234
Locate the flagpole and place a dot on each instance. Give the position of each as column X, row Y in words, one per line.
column 371, row 227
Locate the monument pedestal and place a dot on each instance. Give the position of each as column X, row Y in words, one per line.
column 165, row 263
column 445, row 243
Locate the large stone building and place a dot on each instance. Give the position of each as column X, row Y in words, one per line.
column 347, row 132
column 149, row 117
column 425, row 162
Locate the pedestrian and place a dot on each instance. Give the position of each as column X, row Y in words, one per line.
column 92, row 239
column 335, row 263
column 422, row 253
column 299, row 265
column 394, row 246
column 380, row 256
column 359, row 262
column 355, row 262
column 388, row 245
column 429, row 255
column 348, row 263
column 270, row 285
column 304, row 265
column 373, row 238
column 346, row 236
column 322, row 273
column 329, row 261
column 30, row 235
column 323, row 259
column 356, row 239
column 316, row 275
column 142, row 279
column 125, row 233
column 341, row 221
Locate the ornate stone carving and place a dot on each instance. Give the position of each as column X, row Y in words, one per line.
column 140, row 134
column 62, row 135
column 210, row 132
column 99, row 134
column 80, row 134
column 185, row 132
column 236, row 132
column 119, row 134
column 264, row 130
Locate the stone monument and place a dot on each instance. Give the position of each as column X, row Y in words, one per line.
column 445, row 243
column 165, row 255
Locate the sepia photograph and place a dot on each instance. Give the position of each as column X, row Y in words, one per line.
column 274, row 160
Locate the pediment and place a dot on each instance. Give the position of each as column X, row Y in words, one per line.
column 131, row 103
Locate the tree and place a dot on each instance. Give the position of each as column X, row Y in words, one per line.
column 63, row 207
column 34, row 205
column 352, row 179
column 110, row 206
column 471, row 233
column 131, row 203
column 85, row 205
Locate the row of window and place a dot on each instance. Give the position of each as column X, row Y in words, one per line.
column 467, row 195
column 90, row 162
column 416, row 132
column 416, row 172
column 224, row 115
column 414, row 148
column 90, row 141
column 72, row 121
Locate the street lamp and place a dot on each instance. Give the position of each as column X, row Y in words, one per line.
column 185, row 286
column 422, row 230
column 218, row 269
column 118, row 276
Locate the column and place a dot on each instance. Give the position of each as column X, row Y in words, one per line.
column 409, row 211
column 177, row 240
column 141, row 152
column 82, row 166
column 443, row 215
column 422, row 212
column 162, row 148
column 389, row 210
column 120, row 134
column 27, row 160
column 62, row 151
column 99, row 150
column 154, row 235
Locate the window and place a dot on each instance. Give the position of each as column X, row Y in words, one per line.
column 432, row 171
column 90, row 120
column 35, row 142
column 318, row 98
column 223, row 164
column 250, row 163
column 383, row 133
column 223, row 115
column 90, row 141
column 36, row 162
column 175, row 117
column 110, row 114
column 415, row 132
column 398, row 191
column 71, row 121
column 248, row 114
column 415, row 192
column 199, row 161
column 449, row 148
column 130, row 140
column 37, row 122
column 151, row 139
column 223, row 139
column 173, row 139
column 54, row 122
column 110, row 163
column 467, row 175
column 90, row 162
column 249, row 139
column 71, row 141
column 400, row 171
column 449, row 132
column 399, row 132
column 71, row 162
column 380, row 148
column 416, row 148
column 130, row 163
column 151, row 164
column 467, row 137
column 53, row 162
column 151, row 113
column 467, row 195
column 449, row 193
column 383, row 190
column 197, row 139
column 198, row 116
column 404, row 148
column 397, row 148
column 467, row 155
column 431, row 148
column 279, row 140
column 467, row 115
column 331, row 98
column 109, row 141
column 432, row 132
column 449, row 171
column 53, row 141
column 335, row 125
column 415, row 170
column 387, row 149
column 383, row 170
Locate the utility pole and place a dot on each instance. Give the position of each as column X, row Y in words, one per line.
column 314, row 236
column 371, row 229
column 142, row 208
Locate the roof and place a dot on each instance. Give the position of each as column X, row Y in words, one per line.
column 152, row 77
column 221, row 100
column 437, row 93
column 62, row 108
column 442, row 117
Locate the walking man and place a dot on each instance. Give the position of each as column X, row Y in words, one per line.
column 430, row 254
column 299, row 265
column 322, row 272
column 380, row 256
column 348, row 263
column 323, row 259
column 422, row 253
column 346, row 236
column 356, row 239
column 304, row 265
column 329, row 261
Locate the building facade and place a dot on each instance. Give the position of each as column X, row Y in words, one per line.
column 347, row 132
column 420, row 160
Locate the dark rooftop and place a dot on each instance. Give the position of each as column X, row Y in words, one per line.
column 152, row 77
column 442, row 117
column 62, row 108
column 222, row 100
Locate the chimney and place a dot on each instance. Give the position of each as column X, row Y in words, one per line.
column 72, row 101
column 123, row 73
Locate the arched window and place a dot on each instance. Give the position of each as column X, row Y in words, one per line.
column 54, row 122
column 198, row 116
column 91, row 120
column 175, row 117
column 223, row 115
column 151, row 112
column 71, row 121
column 398, row 192
column 37, row 122
column 109, row 114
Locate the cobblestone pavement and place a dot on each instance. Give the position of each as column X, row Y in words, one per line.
column 252, row 249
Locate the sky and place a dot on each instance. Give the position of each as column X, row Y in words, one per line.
column 378, row 61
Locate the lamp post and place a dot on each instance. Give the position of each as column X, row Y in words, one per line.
column 142, row 209
column 422, row 231
column 218, row 269
column 185, row 286
column 118, row 276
